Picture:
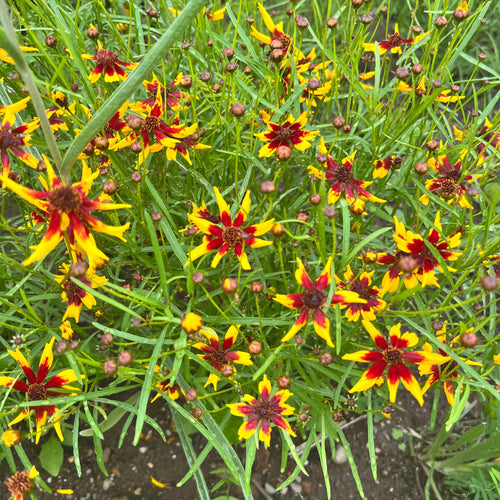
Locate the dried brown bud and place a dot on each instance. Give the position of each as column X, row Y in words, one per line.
column 228, row 52
column 197, row 413
column 326, row 358
column 109, row 367
column 191, row 394
column 231, row 67
column 437, row 325
column 313, row 84
column 107, row 338
column 255, row 347
column 301, row 22
column 337, row 416
column 136, row 147
column 315, row 199
column 109, row 187
column 205, row 76
column 136, row 177
column 124, row 358
column 338, row 122
column 440, row 22
column 331, row 22
column 277, row 55
column 229, row 285
column 152, row 13
column 421, row 167
column 197, row 277
column 402, row 73
column 50, row 41
column 283, row 382
column 366, row 19
column 489, row 283
column 238, row 109
column 283, row 153
column 156, row 216
column 481, row 56
column 416, row 69
column 257, row 287
column 267, row 187
column 302, row 217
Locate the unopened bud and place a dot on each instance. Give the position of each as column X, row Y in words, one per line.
column 315, row 199
column 331, row 22
column 468, row 339
column 421, row 168
column 283, row 382
column 197, row 277
column 191, row 394
column 440, row 22
column 109, row 187
column 283, row 153
column 325, row 358
column 50, row 41
column 124, row 358
column 257, row 287
column 238, row 109
column 229, row 285
column 109, row 367
column 255, row 347
column 489, row 283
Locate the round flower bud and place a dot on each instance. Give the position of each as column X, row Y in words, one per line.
column 228, row 52
column 437, row 325
column 136, row 147
column 107, row 338
column 229, row 285
column 303, row 416
column 238, row 109
column 99, row 313
column 191, row 323
column 416, row 69
column 137, row 277
column 78, row 269
column 88, row 149
column 109, row 367
column 459, row 15
column 432, row 145
column 247, row 70
column 437, row 84
column 402, row 73
column 315, row 199
column 471, row 190
column 337, row 416
column 205, row 76
column 152, row 13
column 50, row 41
column 185, row 82
column 101, row 143
column 356, row 4
column 283, row 382
column 283, row 153
column 267, row 187
column 417, row 29
column 407, row 264
column 191, row 394
column 440, row 22
column 277, row 55
column 301, row 22
column 124, row 358
column 197, row 413
column 93, row 33
column 455, row 88
column 278, row 230
column 301, row 216
column 156, row 216
column 370, row 257
column 185, row 45
column 257, row 287
column 250, row 20
column 468, row 339
column 11, row 437
column 231, row 67
column 109, row 187
column 226, row 370
column 136, row 177
column 421, row 167
column 338, row 122
column 313, row 84
column 61, row 347
column 299, row 340
column 325, row 358
column 316, row 351
column 366, row 19
column 331, row 22
column 481, row 56
column 134, row 122
column 73, row 344
column 358, row 207
column 489, row 283
column 210, row 43
column 216, row 88
column 346, row 129
column 322, row 158
column 254, row 347
column 197, row 277
column 289, row 12
column 330, row 212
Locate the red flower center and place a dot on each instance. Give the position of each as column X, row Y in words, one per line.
column 19, row 483
column 72, row 289
column 6, row 139
column 314, row 299
column 284, row 134
column 393, row 356
column 395, row 40
column 106, row 57
column 362, row 291
column 37, row 392
column 65, row 199
column 231, row 236
column 344, row 175
column 217, row 359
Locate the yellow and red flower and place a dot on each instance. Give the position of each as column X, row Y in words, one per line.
column 38, row 388
column 67, row 209
column 290, row 134
column 313, row 300
column 172, row 391
column 220, row 355
column 72, row 293
column 13, row 139
column 231, row 236
column 371, row 295
column 264, row 412
column 402, row 265
column 276, row 30
column 448, row 372
column 449, row 185
column 395, row 356
column 416, row 246
column 393, row 43
column 382, row 167
column 422, row 90
column 21, row 484
column 109, row 64
column 342, row 180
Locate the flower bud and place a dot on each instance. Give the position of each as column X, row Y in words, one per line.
column 197, row 413
column 109, row 187
column 109, row 367
column 301, row 22
column 277, row 55
column 440, row 22
column 191, row 323
column 338, row 122
column 325, row 358
column 107, row 338
column 11, row 437
column 185, row 82
column 267, row 187
column 432, row 145
column 278, row 230
column 205, row 76
column 78, row 269
column 101, row 143
column 489, row 283
column 330, row 212
column 227, row 370
column 416, row 69
column 468, row 339
column 238, row 109
column 459, row 15
column 197, row 277
column 152, row 13
column 313, row 84
column 315, row 199
column 366, row 19
column 283, row 153
column 402, row 73
column 283, row 382
column 370, row 257
column 229, row 285
column 421, row 168
column 255, row 347
column 136, row 147
column 257, row 287
column 437, row 325
column 93, row 33
column 230, row 67
column 322, row 158
column 228, row 52
column 191, row 394
column 50, row 41
column 134, row 122
column 136, row 177
column 331, row 22
column 337, row 416
column 61, row 347
column 124, row 358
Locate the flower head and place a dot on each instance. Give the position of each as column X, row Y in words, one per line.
column 11, row 437
column 422, row 90
column 289, row 134
column 383, row 166
column 416, row 246
column 269, row 409
column 67, row 212
column 191, row 323
column 395, row 356
column 276, row 30
column 173, row 391
column 371, row 295
column 393, row 43
column 109, row 64
column 20, row 483
column 232, row 235
column 38, row 388
column 342, row 179
column 313, row 300
column 219, row 355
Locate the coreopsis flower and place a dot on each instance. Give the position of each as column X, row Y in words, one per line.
column 371, row 295
column 416, row 246
column 173, row 391
column 277, row 34
column 311, row 91
column 383, row 166
column 403, row 265
column 232, row 235
column 341, row 179
column 73, row 294
column 487, row 136
column 155, row 134
column 422, row 90
column 445, row 372
column 12, row 140
column 450, row 185
column 39, row 388
column 496, row 359
column 4, row 57
column 220, row 355
column 313, row 300
column 395, row 356
column 109, row 64
column 67, row 332
column 264, row 412
column 11, row 437
column 20, row 484
column 182, row 145
column 289, row 134
column 66, row 209
column 170, row 98
column 393, row 43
